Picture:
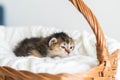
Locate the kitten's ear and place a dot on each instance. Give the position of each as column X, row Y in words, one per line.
column 52, row 41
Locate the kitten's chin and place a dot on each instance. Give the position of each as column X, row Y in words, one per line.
column 62, row 55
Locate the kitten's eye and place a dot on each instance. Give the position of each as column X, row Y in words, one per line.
column 62, row 47
column 71, row 47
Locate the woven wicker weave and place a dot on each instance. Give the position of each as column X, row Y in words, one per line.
column 106, row 69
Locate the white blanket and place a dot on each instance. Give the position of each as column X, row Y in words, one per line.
column 83, row 57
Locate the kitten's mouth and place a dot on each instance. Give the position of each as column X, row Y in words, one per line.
column 68, row 53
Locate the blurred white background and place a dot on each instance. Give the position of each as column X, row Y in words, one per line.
column 62, row 14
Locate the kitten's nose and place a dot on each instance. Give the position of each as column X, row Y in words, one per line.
column 67, row 51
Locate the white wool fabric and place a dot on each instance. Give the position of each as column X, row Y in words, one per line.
column 83, row 57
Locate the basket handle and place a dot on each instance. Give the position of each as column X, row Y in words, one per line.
column 102, row 50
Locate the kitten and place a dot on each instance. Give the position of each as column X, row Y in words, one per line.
column 57, row 44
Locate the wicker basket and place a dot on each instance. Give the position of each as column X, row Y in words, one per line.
column 106, row 69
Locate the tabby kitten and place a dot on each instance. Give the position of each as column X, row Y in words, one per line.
column 57, row 44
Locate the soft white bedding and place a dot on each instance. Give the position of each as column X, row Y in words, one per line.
column 83, row 58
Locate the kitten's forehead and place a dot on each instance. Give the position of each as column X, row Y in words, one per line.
column 63, row 37
column 66, row 42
